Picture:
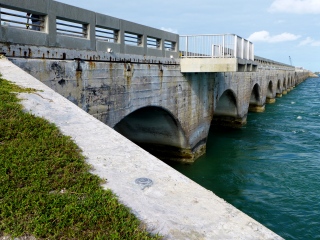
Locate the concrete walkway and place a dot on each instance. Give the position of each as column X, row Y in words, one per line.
column 167, row 201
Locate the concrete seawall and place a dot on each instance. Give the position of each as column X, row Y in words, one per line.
column 173, row 205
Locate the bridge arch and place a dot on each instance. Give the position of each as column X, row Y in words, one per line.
column 156, row 130
column 284, row 84
column 270, row 90
column 255, row 104
column 270, row 97
column 226, row 111
column 279, row 90
column 226, row 105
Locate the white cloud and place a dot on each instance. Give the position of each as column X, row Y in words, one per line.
column 296, row 6
column 264, row 36
column 169, row 30
column 310, row 41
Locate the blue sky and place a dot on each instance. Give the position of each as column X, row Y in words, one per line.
column 278, row 28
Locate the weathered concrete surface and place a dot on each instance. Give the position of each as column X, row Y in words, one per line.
column 174, row 206
column 197, row 65
column 50, row 35
column 130, row 87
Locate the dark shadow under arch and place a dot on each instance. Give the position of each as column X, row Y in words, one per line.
column 279, row 87
column 226, row 105
column 255, row 95
column 270, row 90
column 226, row 111
column 284, row 84
column 155, row 130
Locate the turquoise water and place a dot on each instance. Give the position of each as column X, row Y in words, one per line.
column 270, row 169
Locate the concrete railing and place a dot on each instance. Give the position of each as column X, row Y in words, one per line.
column 216, row 46
column 66, row 26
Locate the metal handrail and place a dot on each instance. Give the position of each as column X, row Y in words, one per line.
column 69, row 31
column 106, row 32
column 23, row 23
column 100, row 36
column 20, row 22
column 73, row 26
column 216, row 46
column 21, row 16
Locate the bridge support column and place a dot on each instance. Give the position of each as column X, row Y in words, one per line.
column 279, row 95
column 256, row 108
column 171, row 153
column 270, row 100
column 227, row 121
column 284, row 92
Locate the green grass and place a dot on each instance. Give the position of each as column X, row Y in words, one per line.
column 46, row 189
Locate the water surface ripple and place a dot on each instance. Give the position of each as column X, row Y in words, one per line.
column 270, row 169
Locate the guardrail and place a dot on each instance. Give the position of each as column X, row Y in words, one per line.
column 216, row 46
column 55, row 24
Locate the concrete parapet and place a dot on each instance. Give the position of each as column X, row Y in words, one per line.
column 189, row 65
column 99, row 32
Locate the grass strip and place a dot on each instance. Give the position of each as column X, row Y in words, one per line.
column 46, row 189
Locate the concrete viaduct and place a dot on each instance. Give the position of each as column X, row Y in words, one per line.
column 149, row 85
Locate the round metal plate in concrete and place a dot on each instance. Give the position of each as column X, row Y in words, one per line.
column 144, row 182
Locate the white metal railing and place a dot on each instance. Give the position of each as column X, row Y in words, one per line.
column 216, row 46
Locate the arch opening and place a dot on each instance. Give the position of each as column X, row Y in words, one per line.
column 284, row 84
column 269, row 90
column 279, row 90
column 270, row 95
column 255, row 104
column 226, row 105
column 279, row 87
column 226, row 111
column 157, row 131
